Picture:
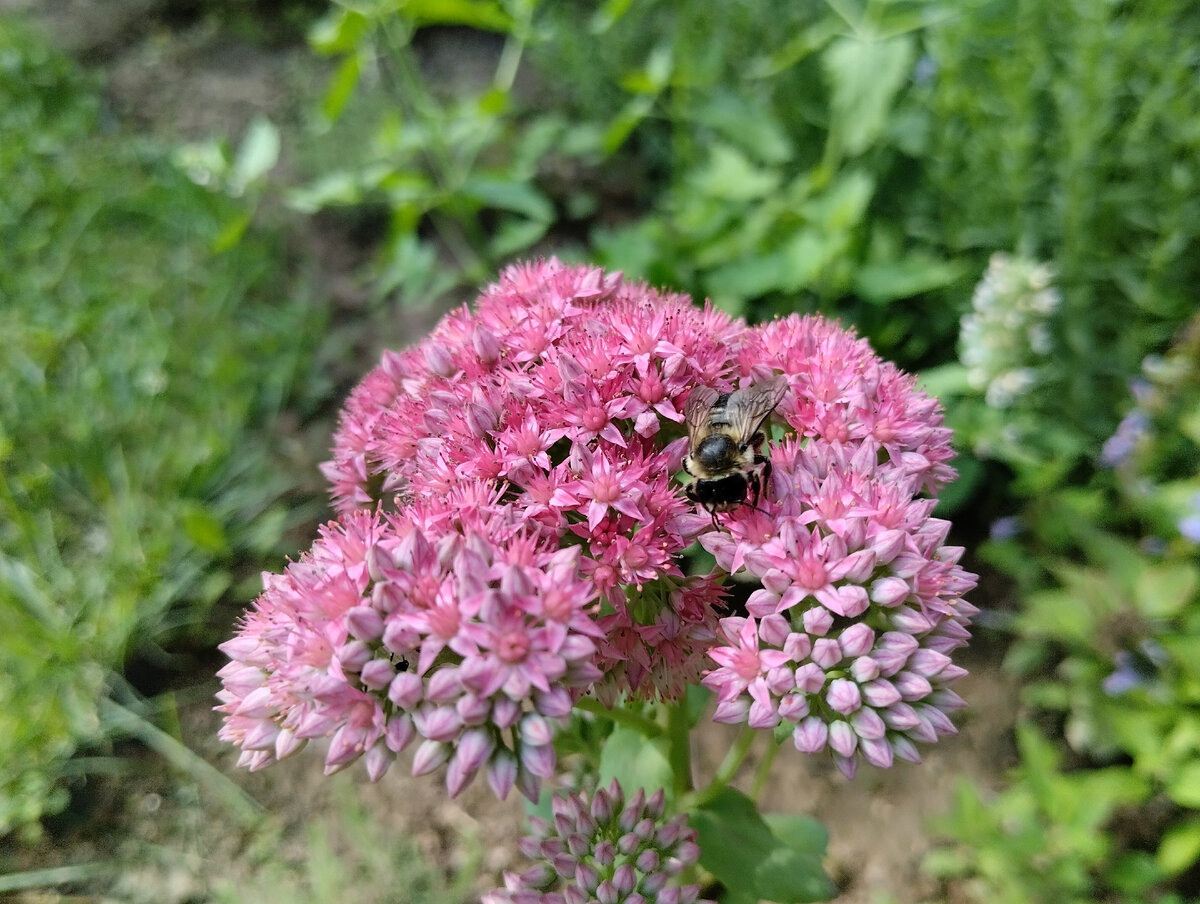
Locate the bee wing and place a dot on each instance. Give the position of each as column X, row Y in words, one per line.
column 696, row 410
column 748, row 408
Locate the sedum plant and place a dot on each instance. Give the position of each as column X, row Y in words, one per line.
column 514, row 572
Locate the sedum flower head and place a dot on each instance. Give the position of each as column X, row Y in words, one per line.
column 606, row 849
column 510, row 537
column 1005, row 340
column 846, row 645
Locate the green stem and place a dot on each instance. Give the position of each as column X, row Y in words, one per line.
column 510, row 61
column 117, row 718
column 764, row 770
column 679, row 750
column 647, row 727
column 729, row 766
column 412, row 89
column 56, row 875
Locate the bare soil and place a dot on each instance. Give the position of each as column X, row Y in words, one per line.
column 178, row 844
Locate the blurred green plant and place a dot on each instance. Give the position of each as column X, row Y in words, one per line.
column 769, row 135
column 1107, row 643
column 734, row 150
column 141, row 373
column 339, row 857
column 1063, row 132
column 448, row 156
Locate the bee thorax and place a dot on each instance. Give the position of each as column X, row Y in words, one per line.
column 717, row 452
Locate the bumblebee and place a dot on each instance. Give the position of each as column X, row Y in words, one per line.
column 725, row 444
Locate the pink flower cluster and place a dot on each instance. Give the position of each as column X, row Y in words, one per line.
column 605, row 849
column 511, row 536
column 847, row 640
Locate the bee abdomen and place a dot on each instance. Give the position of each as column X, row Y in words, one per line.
column 721, row 494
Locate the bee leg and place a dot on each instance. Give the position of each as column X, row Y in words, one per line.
column 763, row 477
column 755, row 489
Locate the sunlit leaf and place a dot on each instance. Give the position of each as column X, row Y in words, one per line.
column 635, row 761
column 482, row 14
column 341, row 87
column 731, row 176
column 913, row 274
column 865, row 76
column 258, row 152
column 339, row 32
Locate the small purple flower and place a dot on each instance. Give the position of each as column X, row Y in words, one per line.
column 1005, row 528
column 1189, row 524
column 604, row 849
column 1130, row 433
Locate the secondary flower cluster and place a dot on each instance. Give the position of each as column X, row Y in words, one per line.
column 604, row 850
column 1005, row 340
column 846, row 643
column 511, row 537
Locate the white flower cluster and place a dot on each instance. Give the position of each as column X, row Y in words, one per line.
column 1006, row 337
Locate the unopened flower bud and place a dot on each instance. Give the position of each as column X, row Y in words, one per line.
column 889, row 591
column 354, row 655
column 856, row 640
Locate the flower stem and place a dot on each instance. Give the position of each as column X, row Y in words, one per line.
column 647, row 727
column 764, row 769
column 729, row 766
column 679, row 751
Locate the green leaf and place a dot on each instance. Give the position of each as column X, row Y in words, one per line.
column 799, row 832
column 800, row 46
column 1180, row 847
column 231, row 233
column 865, row 76
column 695, row 701
column 635, row 761
column 608, row 15
column 654, row 76
column 753, row 128
column 739, row 848
column 729, row 175
column 843, row 204
column 519, row 197
column 481, row 14
column 515, row 234
column 944, row 380
column 204, row 529
column 339, row 32
column 1184, row 785
column 1164, row 590
column 336, row 188
column 258, row 153
column 749, row 277
column 1058, row 614
column 341, row 87
column 883, row 281
column 623, row 124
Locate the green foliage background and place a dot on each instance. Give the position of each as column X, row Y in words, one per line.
column 142, row 372
column 863, row 159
